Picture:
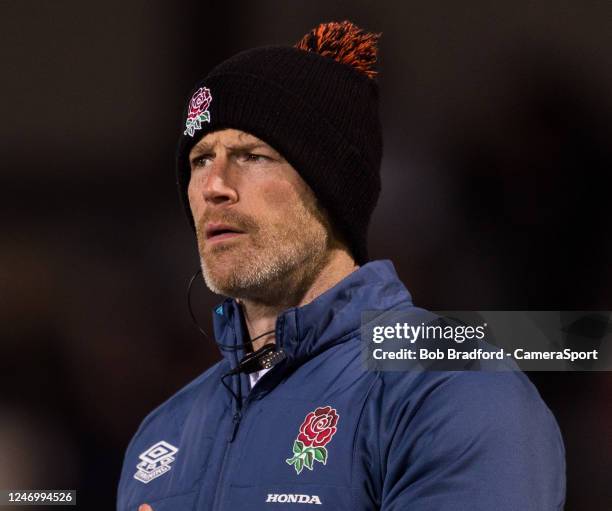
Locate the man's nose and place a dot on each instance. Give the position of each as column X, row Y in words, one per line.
column 218, row 187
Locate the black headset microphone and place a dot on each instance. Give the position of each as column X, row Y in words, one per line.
column 264, row 358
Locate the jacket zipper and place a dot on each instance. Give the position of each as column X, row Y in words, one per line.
column 236, row 419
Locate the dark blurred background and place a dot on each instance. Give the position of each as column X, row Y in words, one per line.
column 496, row 195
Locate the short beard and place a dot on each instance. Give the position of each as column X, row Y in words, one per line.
column 280, row 263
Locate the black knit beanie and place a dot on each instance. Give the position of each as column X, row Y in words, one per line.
column 317, row 105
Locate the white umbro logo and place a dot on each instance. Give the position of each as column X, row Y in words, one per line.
column 293, row 498
column 155, row 461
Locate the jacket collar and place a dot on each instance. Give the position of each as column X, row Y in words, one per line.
column 305, row 331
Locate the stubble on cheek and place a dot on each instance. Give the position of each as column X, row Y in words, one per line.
column 288, row 240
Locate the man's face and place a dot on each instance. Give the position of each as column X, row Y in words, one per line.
column 258, row 225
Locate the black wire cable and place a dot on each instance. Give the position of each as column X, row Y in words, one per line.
column 224, row 347
column 226, row 375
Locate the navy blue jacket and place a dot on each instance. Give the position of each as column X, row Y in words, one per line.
column 320, row 430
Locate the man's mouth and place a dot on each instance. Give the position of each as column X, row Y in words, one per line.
column 215, row 232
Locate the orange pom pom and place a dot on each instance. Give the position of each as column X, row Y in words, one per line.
column 344, row 42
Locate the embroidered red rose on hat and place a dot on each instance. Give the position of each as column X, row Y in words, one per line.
column 198, row 111
column 315, row 433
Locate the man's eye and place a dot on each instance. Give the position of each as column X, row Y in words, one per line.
column 250, row 157
column 200, row 161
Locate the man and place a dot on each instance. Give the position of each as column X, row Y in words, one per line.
column 279, row 168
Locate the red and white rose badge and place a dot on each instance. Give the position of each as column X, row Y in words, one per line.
column 315, row 433
column 198, row 111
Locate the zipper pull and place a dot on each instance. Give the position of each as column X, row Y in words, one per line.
column 235, row 423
